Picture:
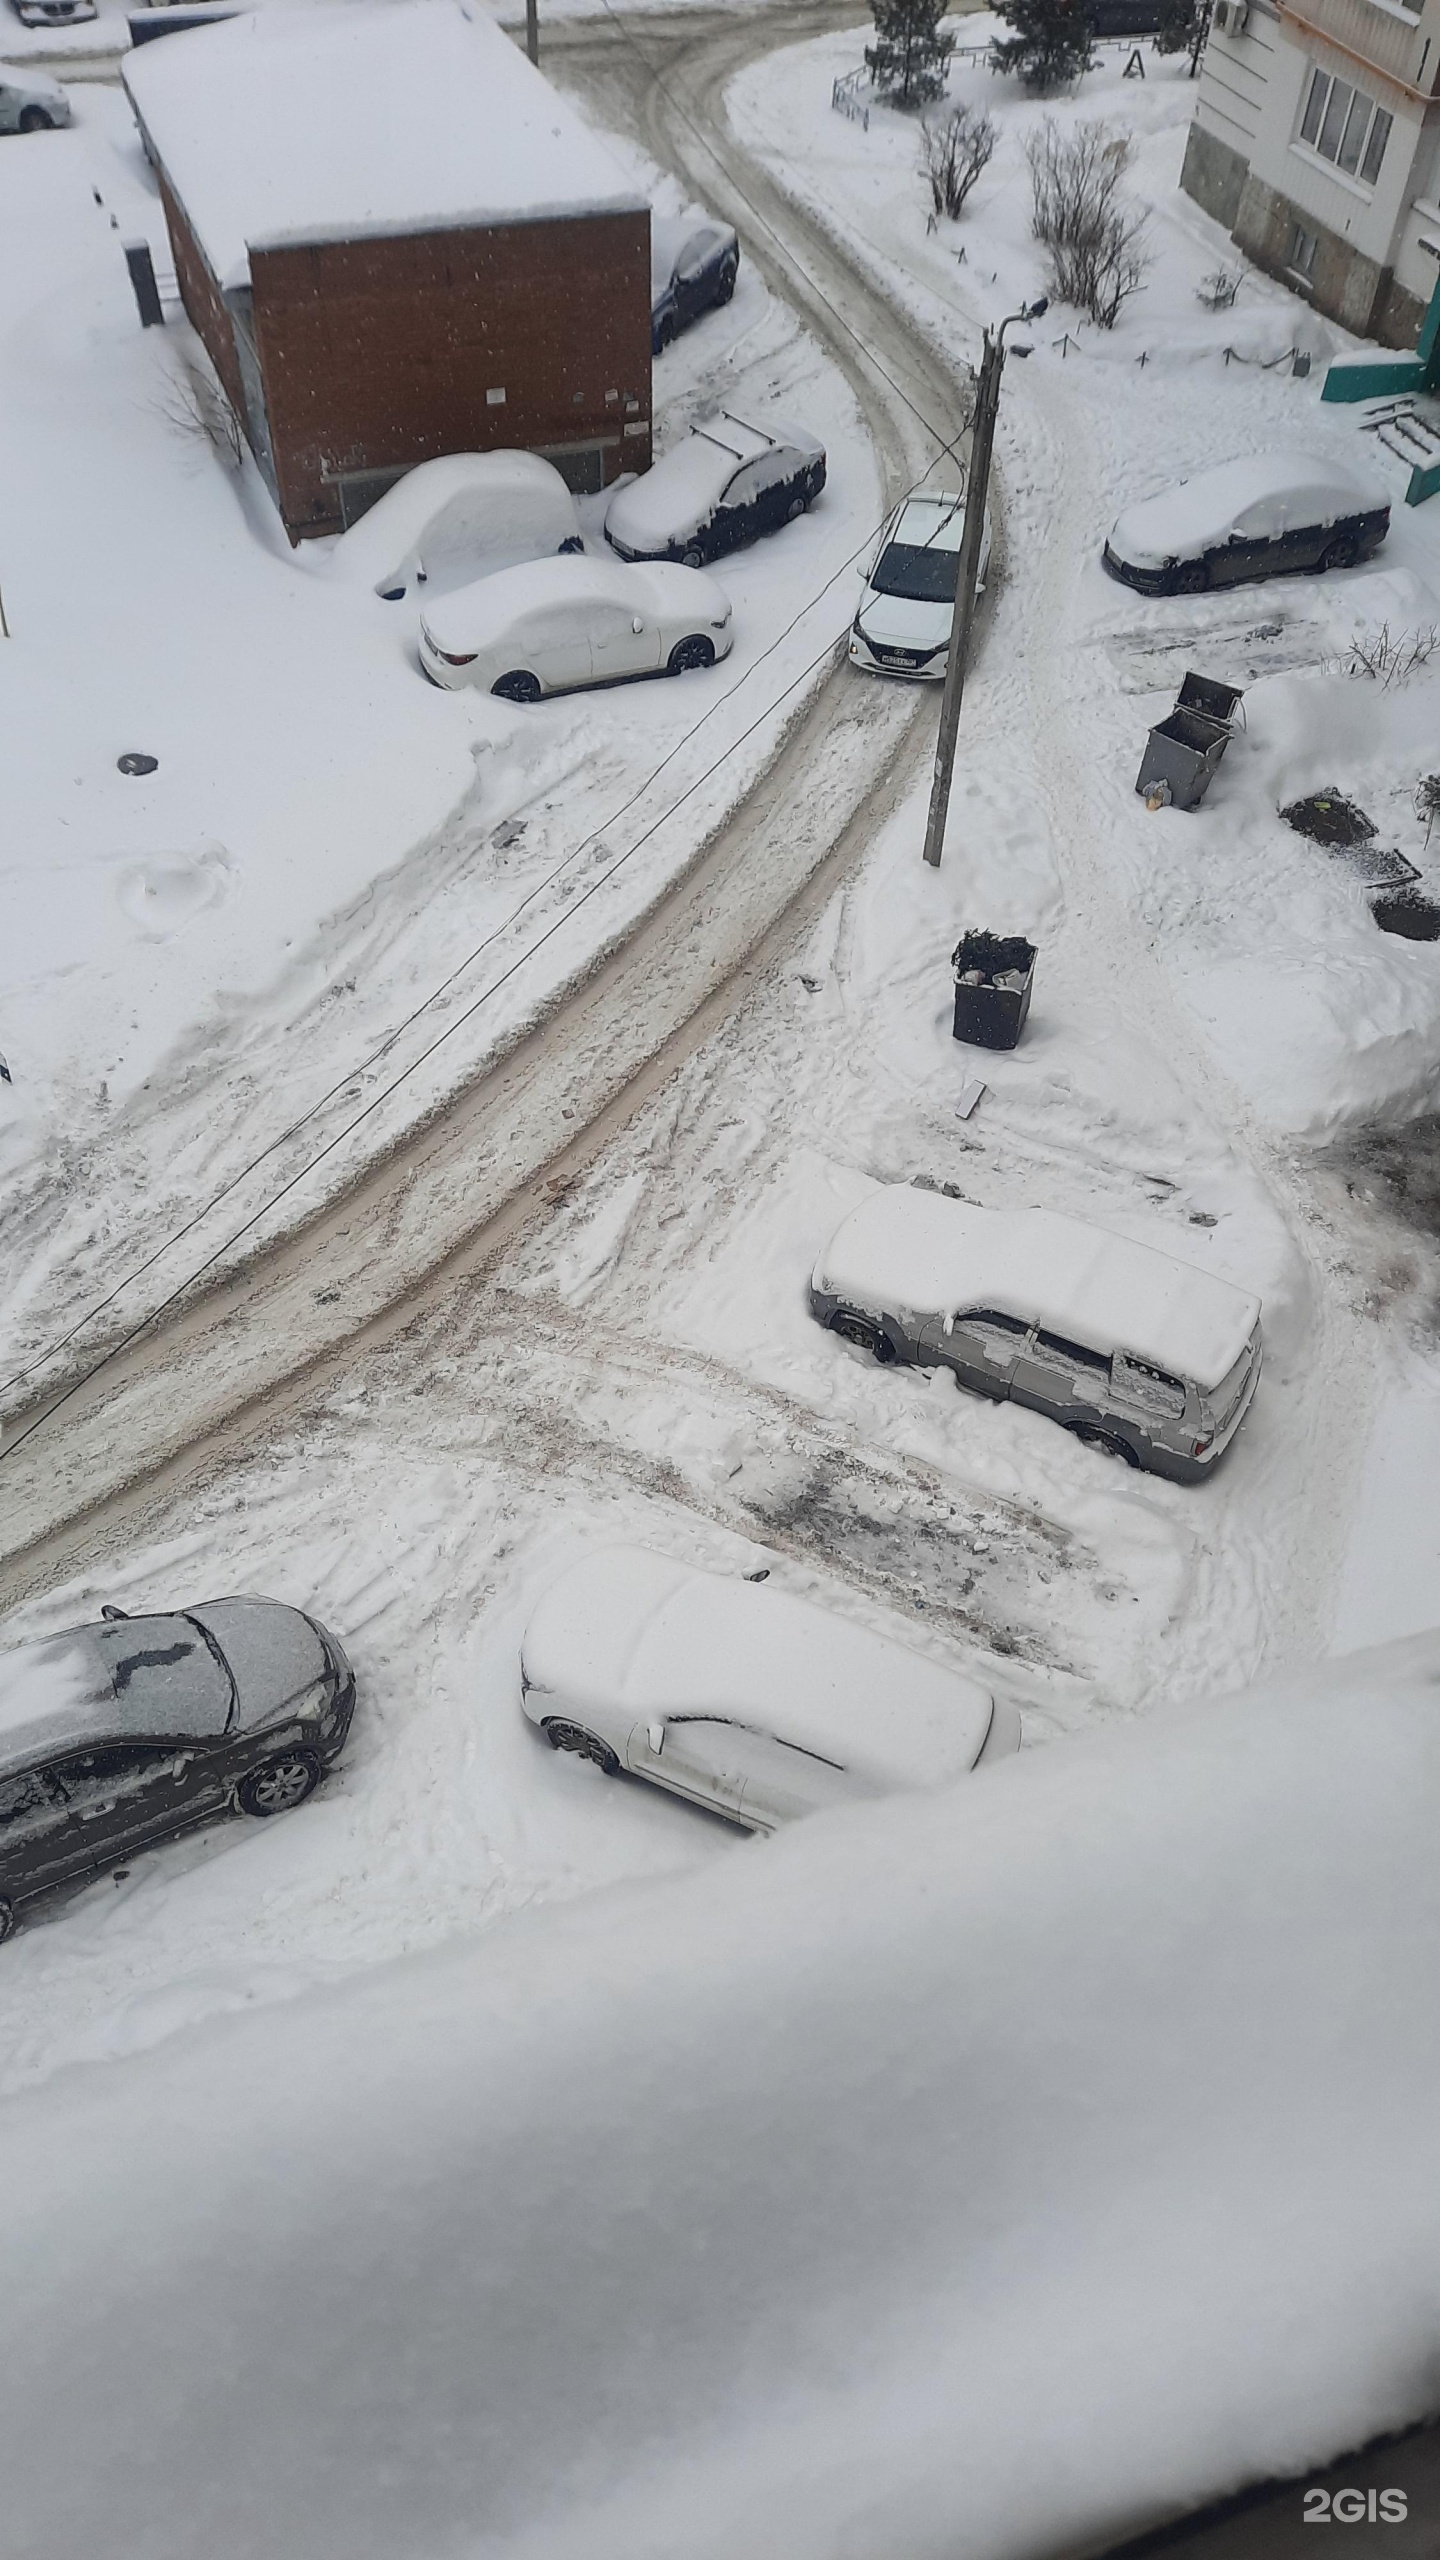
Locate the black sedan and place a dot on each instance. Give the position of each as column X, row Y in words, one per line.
column 1265, row 515
column 117, row 1735
column 693, row 266
column 719, row 488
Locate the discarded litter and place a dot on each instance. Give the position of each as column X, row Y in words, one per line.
column 1327, row 817
column 970, row 1094
column 509, row 832
column 1407, row 912
column 138, row 764
column 994, row 978
column 1181, row 753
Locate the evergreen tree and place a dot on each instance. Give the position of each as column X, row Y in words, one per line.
column 1052, row 45
column 908, row 59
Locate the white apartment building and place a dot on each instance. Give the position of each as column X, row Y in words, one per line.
column 1316, row 141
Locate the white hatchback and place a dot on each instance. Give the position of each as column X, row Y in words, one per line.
column 740, row 1698
column 903, row 624
column 555, row 625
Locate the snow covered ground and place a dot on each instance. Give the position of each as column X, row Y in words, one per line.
column 199, row 956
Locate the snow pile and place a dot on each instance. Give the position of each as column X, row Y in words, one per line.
column 432, row 120
column 790, row 2205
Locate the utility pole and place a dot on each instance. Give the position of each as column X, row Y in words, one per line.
column 977, row 482
column 532, row 29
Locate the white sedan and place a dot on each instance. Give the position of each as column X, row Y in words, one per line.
column 740, row 1698
column 907, row 606
column 30, row 102
column 555, row 625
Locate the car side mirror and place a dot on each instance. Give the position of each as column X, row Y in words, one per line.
column 110, row 1611
column 655, row 1736
column 637, row 622
column 948, row 1326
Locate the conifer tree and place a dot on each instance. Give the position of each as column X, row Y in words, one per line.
column 908, row 58
column 1052, row 45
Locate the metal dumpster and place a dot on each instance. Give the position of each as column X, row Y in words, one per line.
column 994, row 974
column 1182, row 752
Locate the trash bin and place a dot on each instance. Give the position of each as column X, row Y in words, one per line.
column 1182, row 752
column 994, row 974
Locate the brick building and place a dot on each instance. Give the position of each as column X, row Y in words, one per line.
column 397, row 241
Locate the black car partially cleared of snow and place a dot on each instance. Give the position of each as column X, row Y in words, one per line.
column 117, row 1735
column 723, row 486
column 1261, row 516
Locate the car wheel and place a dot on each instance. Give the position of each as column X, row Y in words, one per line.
column 725, row 283
column 865, row 1336
column 587, row 1746
column 1342, row 553
column 520, row 686
column 690, row 559
column 663, row 336
column 1108, row 1441
column 278, row 1785
column 34, row 120
column 1191, row 579
column 796, row 508
column 7, row 1920
column 697, row 651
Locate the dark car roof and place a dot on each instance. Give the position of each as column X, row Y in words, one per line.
column 132, row 1676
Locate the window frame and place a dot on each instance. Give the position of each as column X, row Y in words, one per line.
column 1329, row 109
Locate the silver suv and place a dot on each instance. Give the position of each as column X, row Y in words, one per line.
column 1132, row 1350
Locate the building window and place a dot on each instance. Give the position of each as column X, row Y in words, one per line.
column 1345, row 126
column 1303, row 247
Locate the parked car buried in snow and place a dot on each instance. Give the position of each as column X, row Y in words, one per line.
column 559, row 624
column 1265, row 516
column 907, row 605
column 117, row 1735
column 29, row 101
column 723, row 486
column 1137, row 1353
column 741, row 1698
column 458, row 518
column 693, row 266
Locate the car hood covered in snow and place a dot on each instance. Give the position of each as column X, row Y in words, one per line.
column 631, row 1628
column 99, row 1683
column 925, row 1255
column 1274, row 493
column 273, row 1651
column 902, row 622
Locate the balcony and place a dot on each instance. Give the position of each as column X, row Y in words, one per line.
column 1378, row 35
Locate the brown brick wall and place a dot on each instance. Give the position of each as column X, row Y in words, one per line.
column 201, row 296
column 377, row 354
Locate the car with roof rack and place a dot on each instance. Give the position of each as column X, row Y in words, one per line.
column 1139, row 1353
column 723, row 485
column 120, row 1734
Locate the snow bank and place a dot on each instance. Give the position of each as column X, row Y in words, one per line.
column 986, row 2173
column 431, row 120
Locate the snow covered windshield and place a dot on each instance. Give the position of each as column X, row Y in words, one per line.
column 923, row 575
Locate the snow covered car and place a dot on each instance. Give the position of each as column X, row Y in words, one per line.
column 559, row 624
column 29, row 102
column 460, row 517
column 119, row 1734
column 907, row 605
column 693, row 266
column 741, row 1698
column 723, row 486
column 54, row 13
column 1264, row 516
column 1135, row 1352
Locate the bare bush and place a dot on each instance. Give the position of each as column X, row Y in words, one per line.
column 1387, row 657
column 1096, row 239
column 196, row 402
column 1427, row 800
column 954, row 149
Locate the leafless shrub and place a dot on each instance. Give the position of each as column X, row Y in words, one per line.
column 954, row 149
column 1427, row 800
column 197, row 404
column 1387, row 657
column 1218, row 290
column 1095, row 238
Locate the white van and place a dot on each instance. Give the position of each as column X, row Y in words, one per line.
column 457, row 518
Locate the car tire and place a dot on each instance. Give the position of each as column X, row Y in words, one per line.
column 796, row 508
column 518, row 686
column 691, row 559
column 865, row 1335
column 35, row 120
column 689, row 655
column 562, row 1736
column 7, row 1920
column 663, row 337
column 278, row 1784
column 1191, row 579
column 725, row 283
column 1109, row 1443
column 1342, row 553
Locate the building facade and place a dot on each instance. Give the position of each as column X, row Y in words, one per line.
column 369, row 302
column 1316, row 141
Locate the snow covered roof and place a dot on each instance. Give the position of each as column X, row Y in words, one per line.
column 94, row 1683
column 1271, row 492
column 936, row 522
column 681, row 243
column 489, row 607
column 633, row 1628
column 384, row 117
column 924, row 1253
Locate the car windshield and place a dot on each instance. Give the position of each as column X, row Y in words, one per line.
column 923, row 574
